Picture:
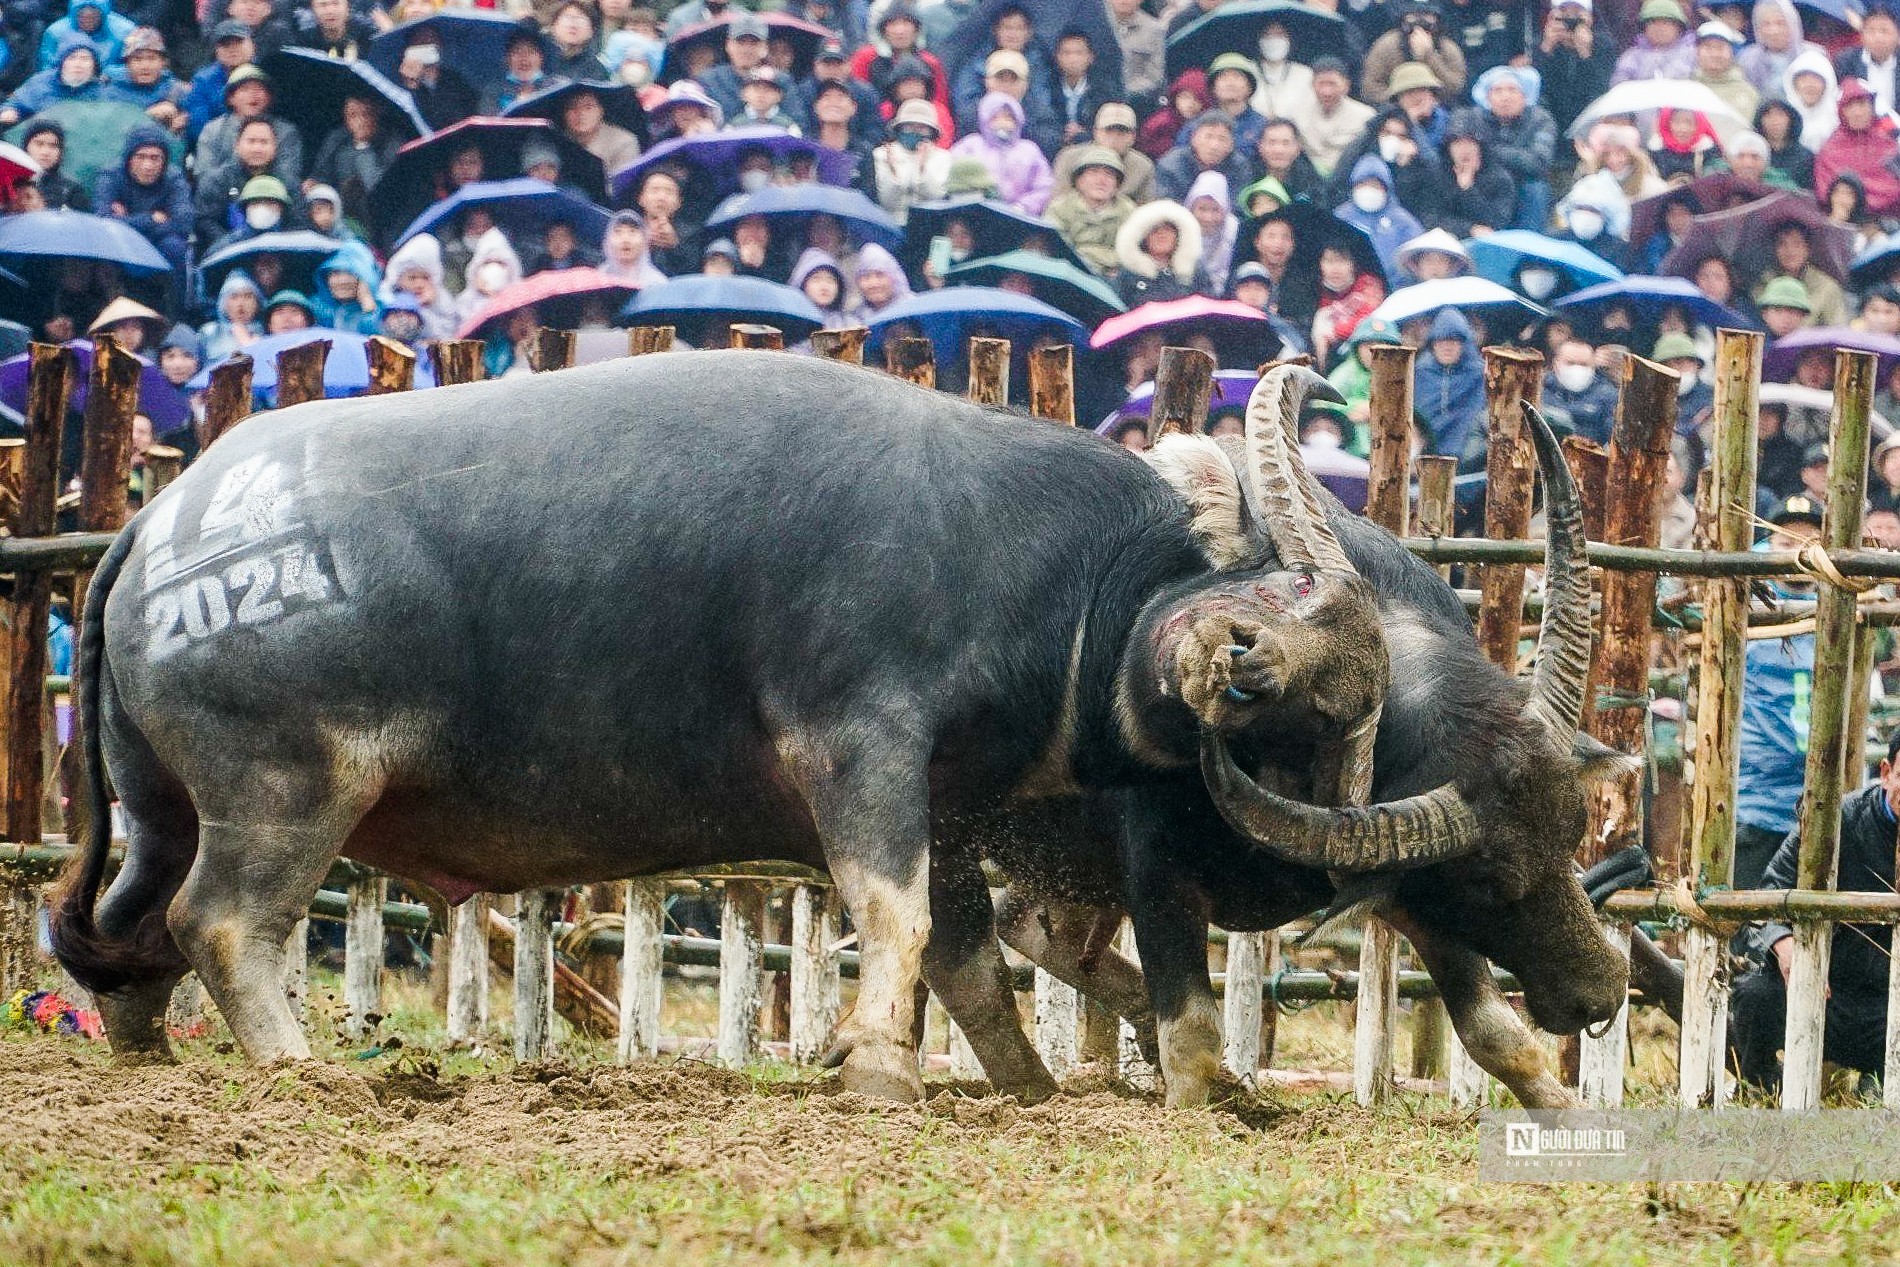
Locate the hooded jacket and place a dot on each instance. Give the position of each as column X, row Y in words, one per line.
column 109, row 38
column 352, row 318
column 1763, row 65
column 1390, row 227
column 491, row 248
column 811, row 262
column 873, row 258
column 1643, row 60
column 46, row 88
column 1142, row 280
column 643, row 272
column 1217, row 250
column 1793, row 160
column 1157, row 135
column 1491, row 198
column 221, row 335
column 424, row 252
column 116, row 194
column 1420, row 182
column 1867, row 153
column 1450, row 398
column 1819, row 120
column 1024, row 179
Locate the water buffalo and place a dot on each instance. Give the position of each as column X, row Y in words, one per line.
column 1483, row 782
column 649, row 615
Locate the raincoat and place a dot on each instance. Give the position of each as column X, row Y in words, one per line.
column 348, row 316
column 423, row 252
column 811, row 262
column 1217, row 249
column 116, row 194
column 491, row 248
column 47, row 89
column 1024, row 179
column 642, row 272
column 1866, row 153
column 109, row 38
column 222, row 335
column 1390, row 227
column 1450, row 398
column 875, row 259
column 1818, row 121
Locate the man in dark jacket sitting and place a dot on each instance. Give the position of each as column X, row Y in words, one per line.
column 147, row 194
column 1857, row 967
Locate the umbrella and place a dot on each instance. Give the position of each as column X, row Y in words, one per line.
column 1745, row 235
column 474, row 43
column 805, row 38
column 409, row 186
column 1818, row 401
column 345, row 373
column 797, row 204
column 76, row 235
column 521, row 205
column 1648, row 296
column 1847, row 13
column 302, row 250
column 1714, row 192
column 948, row 317
column 619, row 102
column 1875, row 264
column 695, row 301
column 164, row 404
column 16, row 166
column 1784, row 354
column 997, row 227
column 1645, row 99
column 1232, row 27
column 1314, row 229
column 1464, row 293
column 970, row 39
column 1498, row 256
column 312, row 86
column 1242, row 335
column 1057, row 283
column 714, row 159
column 558, row 295
column 95, row 136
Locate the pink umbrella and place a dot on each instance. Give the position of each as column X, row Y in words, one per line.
column 1242, row 335
column 559, row 295
column 16, row 167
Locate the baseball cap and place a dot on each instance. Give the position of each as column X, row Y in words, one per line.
column 1115, row 114
column 144, row 39
column 1713, row 30
column 229, row 29
column 1251, row 271
column 748, row 26
column 1007, row 60
column 1797, row 508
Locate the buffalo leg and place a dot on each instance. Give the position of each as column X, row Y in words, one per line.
column 964, row 965
column 1485, row 1021
column 1055, row 937
column 1172, row 939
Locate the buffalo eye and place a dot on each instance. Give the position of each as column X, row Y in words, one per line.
column 1303, row 583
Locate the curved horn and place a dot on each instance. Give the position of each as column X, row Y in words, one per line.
column 1294, row 518
column 1563, row 641
column 1396, row 835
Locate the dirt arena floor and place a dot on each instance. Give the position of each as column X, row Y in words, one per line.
column 392, row 1160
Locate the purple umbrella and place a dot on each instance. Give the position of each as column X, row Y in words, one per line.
column 1714, row 192
column 714, row 160
column 1745, row 235
column 165, row 405
column 1780, row 360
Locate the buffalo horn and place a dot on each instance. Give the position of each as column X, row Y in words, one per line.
column 1563, row 641
column 1277, row 476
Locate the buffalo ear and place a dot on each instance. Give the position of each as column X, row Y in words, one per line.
column 1600, row 762
column 1200, row 475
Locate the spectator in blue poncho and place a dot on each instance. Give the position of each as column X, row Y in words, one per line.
column 146, row 193
column 95, row 20
column 345, row 296
column 147, row 82
column 1373, row 207
column 74, row 76
column 1448, row 390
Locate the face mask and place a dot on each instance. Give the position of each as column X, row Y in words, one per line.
column 1586, row 224
column 491, row 277
column 1688, row 383
column 1369, row 198
column 636, row 74
column 1389, row 148
column 1537, row 282
column 1275, row 48
column 1575, row 378
column 1322, row 439
column 910, row 140
column 754, row 180
column 1004, row 128
column 263, row 215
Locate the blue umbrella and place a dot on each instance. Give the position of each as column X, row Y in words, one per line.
column 521, row 204
column 474, row 43
column 1057, row 283
column 949, row 316
column 164, row 404
column 75, row 235
column 997, row 228
column 799, row 203
column 345, row 373
column 619, row 102
column 312, row 86
column 693, row 303
column 1498, row 256
column 714, row 159
column 301, row 249
column 1875, row 264
column 1846, row 12
column 1648, row 296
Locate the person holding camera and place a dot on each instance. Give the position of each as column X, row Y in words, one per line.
column 1575, row 59
column 1419, row 37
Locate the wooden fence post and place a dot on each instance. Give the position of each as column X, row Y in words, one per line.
column 1437, row 503
column 392, row 366
column 300, row 372
column 468, row 971
column 741, row 971
column 1510, row 376
column 913, row 360
column 33, row 514
column 845, row 345
column 645, row 340
column 363, row 955
column 815, row 1000
column 162, row 465
column 1184, row 390
column 1389, row 435
column 553, row 349
column 535, row 913
column 1589, row 464
column 458, row 361
column 764, row 338
column 228, row 401
column 105, row 466
column 1241, row 1003
column 1717, row 755
column 989, row 371
column 1052, row 383
column 641, row 966
column 1834, row 618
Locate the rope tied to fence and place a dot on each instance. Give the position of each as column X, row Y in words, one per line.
column 1693, row 912
column 1814, row 561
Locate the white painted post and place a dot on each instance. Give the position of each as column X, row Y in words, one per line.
column 1807, row 1016
column 1700, row 1080
column 363, row 955
column 815, row 998
column 963, row 1062
column 1376, row 1012
column 1058, row 1027
column 535, row 910
column 1246, row 973
column 741, row 971
column 468, row 971
column 1600, row 1060
column 297, row 968
column 1890, row 1076
column 1466, row 1082
column 642, row 963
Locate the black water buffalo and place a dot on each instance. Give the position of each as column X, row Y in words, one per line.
column 649, row 615
column 1482, row 779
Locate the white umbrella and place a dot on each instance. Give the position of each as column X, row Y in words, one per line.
column 1821, row 402
column 1644, row 99
column 1454, row 292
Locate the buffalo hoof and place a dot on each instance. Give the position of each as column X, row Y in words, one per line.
column 883, row 1071
column 1029, row 1090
